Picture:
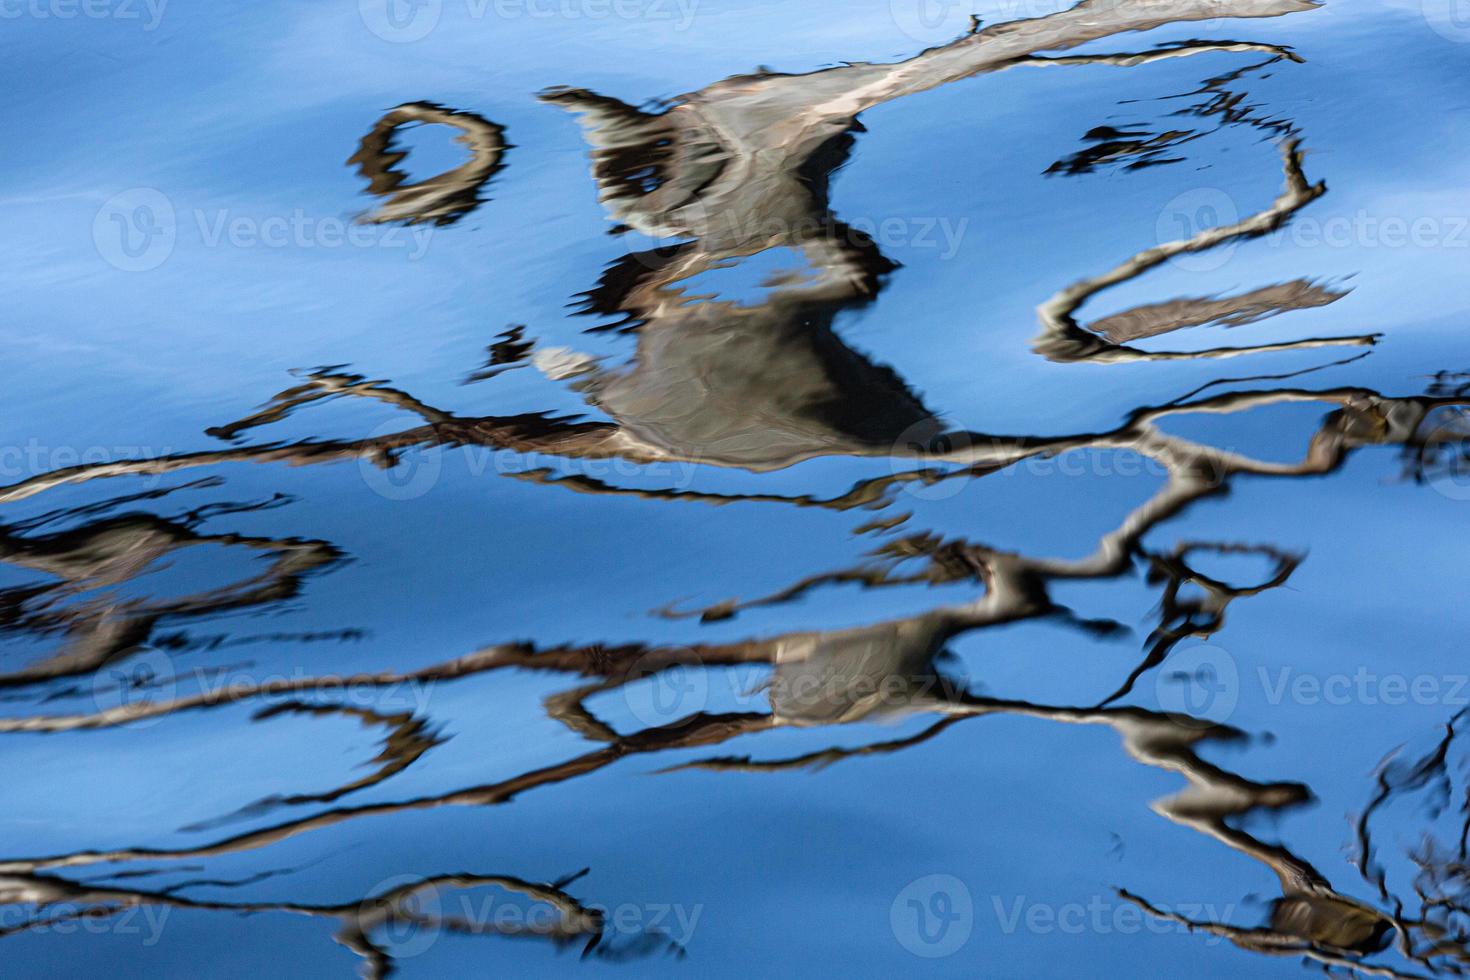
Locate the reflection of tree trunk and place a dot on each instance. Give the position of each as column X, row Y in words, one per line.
column 768, row 126
column 742, row 167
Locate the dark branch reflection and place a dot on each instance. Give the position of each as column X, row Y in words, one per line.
column 442, row 199
column 732, row 171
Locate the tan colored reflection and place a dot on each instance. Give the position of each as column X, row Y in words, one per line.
column 837, row 677
column 409, row 906
column 83, row 566
column 442, row 199
column 742, row 168
column 738, row 169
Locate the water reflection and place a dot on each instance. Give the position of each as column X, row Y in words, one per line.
column 99, row 551
column 443, row 199
column 840, row 677
column 410, row 909
column 731, row 172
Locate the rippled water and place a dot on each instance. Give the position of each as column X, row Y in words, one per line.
column 961, row 497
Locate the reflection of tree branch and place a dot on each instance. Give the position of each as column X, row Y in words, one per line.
column 443, row 199
column 1180, row 619
column 871, row 493
column 1273, row 942
column 1229, row 311
column 325, row 384
column 358, row 920
column 691, row 732
column 1181, row 50
column 113, row 550
column 826, row 403
column 408, row 739
column 947, row 562
column 1015, row 584
column 820, row 759
column 1062, row 339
